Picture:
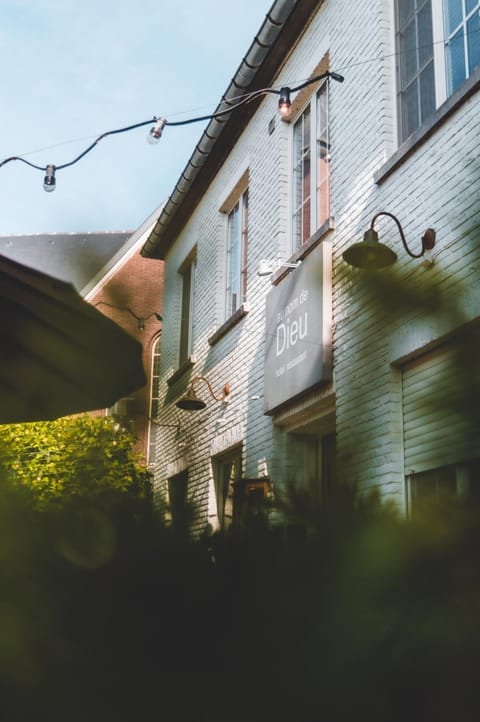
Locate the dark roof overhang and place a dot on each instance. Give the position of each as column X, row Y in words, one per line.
column 257, row 70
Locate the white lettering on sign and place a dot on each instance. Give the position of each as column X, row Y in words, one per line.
column 289, row 333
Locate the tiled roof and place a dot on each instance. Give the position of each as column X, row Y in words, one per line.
column 73, row 257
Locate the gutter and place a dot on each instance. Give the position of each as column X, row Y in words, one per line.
column 257, row 69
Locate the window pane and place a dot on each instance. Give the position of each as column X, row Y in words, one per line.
column 410, row 64
column 406, row 9
column 233, row 260
column 453, row 15
column 427, row 93
column 473, row 36
column 456, row 61
column 227, row 474
column 410, row 111
column 306, row 130
column 323, row 158
column 186, row 318
column 301, row 179
column 244, row 246
column 425, row 35
column 471, row 4
column 236, row 256
column 415, row 65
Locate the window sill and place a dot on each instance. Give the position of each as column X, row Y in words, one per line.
column 414, row 141
column 229, row 323
column 305, row 249
column 186, row 366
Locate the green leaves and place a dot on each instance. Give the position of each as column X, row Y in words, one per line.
column 80, row 456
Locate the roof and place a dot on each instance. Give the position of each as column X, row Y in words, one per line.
column 283, row 25
column 72, row 257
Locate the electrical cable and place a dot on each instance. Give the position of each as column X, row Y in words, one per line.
column 50, row 169
column 238, row 101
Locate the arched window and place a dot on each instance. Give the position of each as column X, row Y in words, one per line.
column 154, row 399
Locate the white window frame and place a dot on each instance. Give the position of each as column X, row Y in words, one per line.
column 236, row 253
column 467, row 15
column 319, row 134
column 440, row 43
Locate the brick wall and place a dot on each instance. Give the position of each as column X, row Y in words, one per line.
column 137, row 284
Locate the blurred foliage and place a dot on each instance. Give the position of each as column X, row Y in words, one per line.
column 79, row 456
column 106, row 614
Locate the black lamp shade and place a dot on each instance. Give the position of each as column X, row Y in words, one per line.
column 369, row 254
column 190, row 402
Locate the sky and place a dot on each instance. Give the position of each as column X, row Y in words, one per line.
column 74, row 69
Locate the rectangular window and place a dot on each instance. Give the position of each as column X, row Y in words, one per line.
column 314, row 467
column 462, row 40
column 437, row 486
column 236, row 256
column 186, row 320
column 227, row 472
column 177, row 492
column 311, row 172
column 438, row 46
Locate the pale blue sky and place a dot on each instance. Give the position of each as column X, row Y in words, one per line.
column 73, row 69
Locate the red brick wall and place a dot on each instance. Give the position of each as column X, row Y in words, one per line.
column 138, row 286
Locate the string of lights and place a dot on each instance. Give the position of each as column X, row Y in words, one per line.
column 159, row 123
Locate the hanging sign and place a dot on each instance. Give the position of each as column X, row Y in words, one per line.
column 298, row 330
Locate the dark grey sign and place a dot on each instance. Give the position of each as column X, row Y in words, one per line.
column 298, row 330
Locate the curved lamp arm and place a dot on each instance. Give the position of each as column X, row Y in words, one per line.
column 225, row 390
column 428, row 238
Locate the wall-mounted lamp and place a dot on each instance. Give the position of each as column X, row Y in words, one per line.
column 370, row 254
column 139, row 319
column 191, row 402
column 266, row 268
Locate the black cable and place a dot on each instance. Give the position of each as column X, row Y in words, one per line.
column 249, row 97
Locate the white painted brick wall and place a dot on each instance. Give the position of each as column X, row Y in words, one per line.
column 437, row 186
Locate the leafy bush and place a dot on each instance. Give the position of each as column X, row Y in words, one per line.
column 78, row 456
column 108, row 615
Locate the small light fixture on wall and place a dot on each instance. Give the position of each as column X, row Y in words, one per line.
column 370, row 254
column 266, row 268
column 191, row 402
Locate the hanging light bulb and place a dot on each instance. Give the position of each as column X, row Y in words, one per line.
column 49, row 180
column 284, row 103
column 156, row 132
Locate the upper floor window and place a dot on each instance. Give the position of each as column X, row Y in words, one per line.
column 462, row 40
column 311, row 172
column 236, row 255
column 187, row 273
column 438, row 44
